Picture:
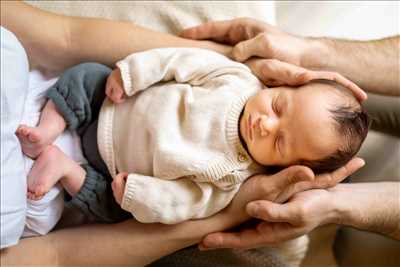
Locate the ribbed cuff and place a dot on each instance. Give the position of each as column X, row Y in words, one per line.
column 129, row 194
column 126, row 77
column 135, row 201
column 91, row 195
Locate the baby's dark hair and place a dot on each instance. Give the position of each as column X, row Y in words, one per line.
column 351, row 122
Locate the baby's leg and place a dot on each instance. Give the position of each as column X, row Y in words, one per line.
column 52, row 166
column 35, row 139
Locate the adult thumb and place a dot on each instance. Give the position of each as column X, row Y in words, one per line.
column 249, row 48
column 295, row 174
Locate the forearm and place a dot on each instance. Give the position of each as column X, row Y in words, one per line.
column 127, row 243
column 42, row 34
column 373, row 65
column 369, row 206
column 107, row 41
column 68, row 41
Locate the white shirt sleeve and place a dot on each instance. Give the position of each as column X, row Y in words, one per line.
column 151, row 199
column 185, row 65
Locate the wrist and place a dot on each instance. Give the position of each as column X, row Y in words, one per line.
column 315, row 54
column 225, row 50
column 341, row 213
column 221, row 221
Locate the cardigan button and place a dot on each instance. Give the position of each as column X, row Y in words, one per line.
column 242, row 157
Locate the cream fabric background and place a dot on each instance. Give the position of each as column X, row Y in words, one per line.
column 165, row 16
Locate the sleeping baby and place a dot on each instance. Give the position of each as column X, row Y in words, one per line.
column 180, row 131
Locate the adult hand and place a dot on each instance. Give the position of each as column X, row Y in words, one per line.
column 276, row 187
column 304, row 211
column 251, row 37
column 273, row 72
column 282, row 53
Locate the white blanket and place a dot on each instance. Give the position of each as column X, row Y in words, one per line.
column 42, row 215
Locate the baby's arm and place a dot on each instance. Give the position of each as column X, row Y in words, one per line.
column 184, row 65
column 195, row 66
column 152, row 200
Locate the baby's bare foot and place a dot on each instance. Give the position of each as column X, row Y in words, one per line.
column 33, row 140
column 47, row 170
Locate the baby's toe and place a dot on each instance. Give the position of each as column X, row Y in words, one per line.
column 24, row 130
column 30, row 195
column 40, row 190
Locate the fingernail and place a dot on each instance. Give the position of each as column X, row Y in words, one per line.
column 362, row 163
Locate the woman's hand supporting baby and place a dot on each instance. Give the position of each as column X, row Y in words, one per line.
column 115, row 87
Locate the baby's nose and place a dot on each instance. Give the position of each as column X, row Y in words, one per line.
column 268, row 125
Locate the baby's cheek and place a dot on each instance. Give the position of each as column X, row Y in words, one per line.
column 262, row 153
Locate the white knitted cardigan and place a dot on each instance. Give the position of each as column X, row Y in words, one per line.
column 178, row 133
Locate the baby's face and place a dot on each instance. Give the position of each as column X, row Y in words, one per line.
column 282, row 126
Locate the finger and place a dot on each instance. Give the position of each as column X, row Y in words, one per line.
column 327, row 180
column 265, row 234
column 256, row 46
column 215, row 30
column 292, row 175
column 322, row 181
column 244, row 239
column 273, row 83
column 280, row 232
column 266, row 71
column 290, row 182
column 336, row 77
column 272, row 212
column 288, row 73
column 274, row 72
column 294, row 189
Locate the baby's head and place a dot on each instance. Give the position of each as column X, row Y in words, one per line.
column 320, row 125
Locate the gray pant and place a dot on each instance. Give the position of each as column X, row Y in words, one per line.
column 78, row 96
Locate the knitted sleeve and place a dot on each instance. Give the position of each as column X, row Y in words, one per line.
column 151, row 199
column 184, row 65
